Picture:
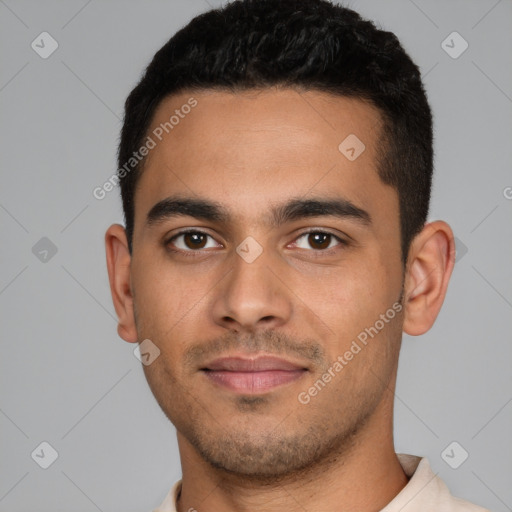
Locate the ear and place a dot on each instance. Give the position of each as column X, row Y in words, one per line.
column 429, row 267
column 118, row 265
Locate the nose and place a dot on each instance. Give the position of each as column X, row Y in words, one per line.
column 253, row 295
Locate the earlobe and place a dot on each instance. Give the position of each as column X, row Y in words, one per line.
column 118, row 266
column 429, row 267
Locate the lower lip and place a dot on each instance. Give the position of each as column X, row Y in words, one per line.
column 253, row 382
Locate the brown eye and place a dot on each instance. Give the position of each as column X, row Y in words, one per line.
column 194, row 240
column 189, row 241
column 318, row 240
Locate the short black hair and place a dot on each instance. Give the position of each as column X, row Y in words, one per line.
column 304, row 44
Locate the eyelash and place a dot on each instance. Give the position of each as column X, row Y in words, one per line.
column 195, row 253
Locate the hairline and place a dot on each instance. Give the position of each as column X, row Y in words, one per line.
column 383, row 140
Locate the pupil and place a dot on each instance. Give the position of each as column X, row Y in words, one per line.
column 319, row 240
column 196, row 240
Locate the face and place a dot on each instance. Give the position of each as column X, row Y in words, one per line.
column 256, row 235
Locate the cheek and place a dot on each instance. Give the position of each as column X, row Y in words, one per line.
column 157, row 305
column 351, row 299
column 161, row 293
column 169, row 306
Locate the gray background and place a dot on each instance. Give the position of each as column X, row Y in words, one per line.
column 67, row 378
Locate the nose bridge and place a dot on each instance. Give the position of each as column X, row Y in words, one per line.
column 252, row 295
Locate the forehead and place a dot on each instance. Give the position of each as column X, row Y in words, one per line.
column 254, row 148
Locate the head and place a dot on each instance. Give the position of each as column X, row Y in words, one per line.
column 293, row 141
column 304, row 45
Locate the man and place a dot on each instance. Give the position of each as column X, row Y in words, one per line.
column 275, row 166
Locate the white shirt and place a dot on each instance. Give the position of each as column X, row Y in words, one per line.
column 425, row 492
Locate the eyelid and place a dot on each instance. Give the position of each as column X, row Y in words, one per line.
column 167, row 241
column 340, row 239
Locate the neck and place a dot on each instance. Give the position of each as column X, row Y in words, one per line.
column 362, row 477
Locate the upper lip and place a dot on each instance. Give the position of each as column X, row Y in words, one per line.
column 252, row 364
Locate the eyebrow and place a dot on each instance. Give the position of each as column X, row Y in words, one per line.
column 293, row 209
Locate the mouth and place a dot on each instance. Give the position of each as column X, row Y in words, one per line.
column 252, row 375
